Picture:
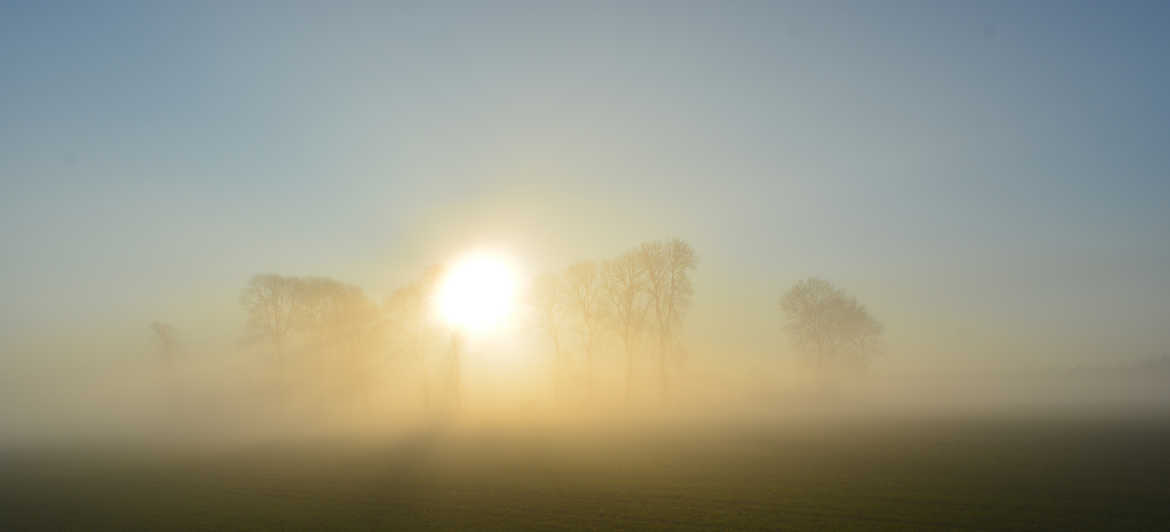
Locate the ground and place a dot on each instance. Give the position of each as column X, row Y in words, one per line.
column 938, row 473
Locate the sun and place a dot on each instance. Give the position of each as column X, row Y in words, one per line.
column 478, row 293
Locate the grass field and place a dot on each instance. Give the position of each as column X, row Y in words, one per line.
column 1006, row 473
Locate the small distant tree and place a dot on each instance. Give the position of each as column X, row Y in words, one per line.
column 588, row 303
column 668, row 284
column 550, row 302
column 166, row 342
column 625, row 283
column 168, row 348
column 828, row 325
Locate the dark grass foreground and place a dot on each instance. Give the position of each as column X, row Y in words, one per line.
column 983, row 474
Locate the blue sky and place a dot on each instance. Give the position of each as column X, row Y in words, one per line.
column 993, row 178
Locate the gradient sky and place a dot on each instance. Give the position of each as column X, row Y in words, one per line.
column 993, row 179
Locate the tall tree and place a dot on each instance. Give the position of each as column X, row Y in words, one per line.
column 340, row 314
column 271, row 303
column 827, row 324
column 625, row 283
column 588, row 300
column 341, row 319
column 406, row 310
column 551, row 305
column 668, row 266
column 407, row 307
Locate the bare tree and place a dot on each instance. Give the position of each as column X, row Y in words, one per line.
column 406, row 308
column 625, row 283
column 405, row 311
column 549, row 300
column 588, row 300
column 271, row 302
column 340, row 314
column 328, row 317
column 827, row 324
column 668, row 266
column 342, row 320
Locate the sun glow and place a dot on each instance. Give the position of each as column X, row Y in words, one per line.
column 478, row 293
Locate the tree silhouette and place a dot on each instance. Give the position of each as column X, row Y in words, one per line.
column 625, row 283
column 340, row 314
column 827, row 324
column 167, row 346
column 271, row 303
column 405, row 312
column 341, row 319
column 667, row 266
column 166, row 342
column 550, row 302
column 406, row 308
column 331, row 317
column 588, row 301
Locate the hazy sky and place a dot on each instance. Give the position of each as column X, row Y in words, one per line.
column 994, row 180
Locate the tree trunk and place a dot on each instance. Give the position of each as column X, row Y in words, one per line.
column 454, row 382
column 629, row 365
column 589, row 369
column 422, row 366
column 278, row 352
column 662, row 371
column 559, row 368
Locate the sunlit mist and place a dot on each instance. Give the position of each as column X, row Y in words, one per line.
column 584, row 265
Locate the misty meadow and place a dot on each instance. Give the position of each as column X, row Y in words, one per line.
column 783, row 266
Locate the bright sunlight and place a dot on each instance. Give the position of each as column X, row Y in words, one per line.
column 478, row 293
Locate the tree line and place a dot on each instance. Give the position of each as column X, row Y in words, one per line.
column 635, row 302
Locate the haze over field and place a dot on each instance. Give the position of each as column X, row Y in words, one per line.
column 584, row 229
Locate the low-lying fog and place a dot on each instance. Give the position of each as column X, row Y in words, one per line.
column 218, row 400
